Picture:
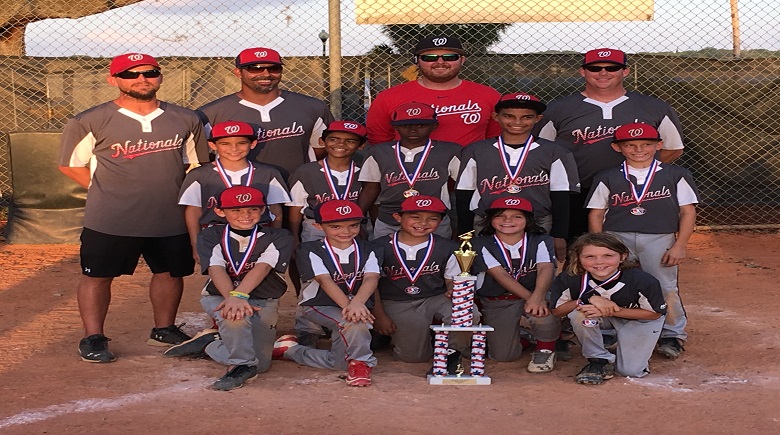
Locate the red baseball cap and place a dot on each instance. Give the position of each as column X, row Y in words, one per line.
column 512, row 203
column 240, row 197
column 423, row 203
column 520, row 100
column 413, row 113
column 252, row 56
column 232, row 129
column 347, row 127
column 124, row 62
column 337, row 210
column 636, row 131
column 605, row 55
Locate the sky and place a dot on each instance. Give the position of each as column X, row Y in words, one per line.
column 225, row 27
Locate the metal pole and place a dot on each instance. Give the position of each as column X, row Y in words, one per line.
column 735, row 28
column 334, row 61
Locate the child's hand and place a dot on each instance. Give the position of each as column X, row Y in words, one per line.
column 589, row 311
column 673, row 256
column 604, row 305
column 233, row 308
column 384, row 325
column 356, row 312
column 536, row 308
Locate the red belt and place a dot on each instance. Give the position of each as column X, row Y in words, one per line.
column 506, row 297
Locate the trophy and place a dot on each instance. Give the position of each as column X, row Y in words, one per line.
column 462, row 320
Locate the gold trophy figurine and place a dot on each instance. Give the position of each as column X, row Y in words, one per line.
column 465, row 255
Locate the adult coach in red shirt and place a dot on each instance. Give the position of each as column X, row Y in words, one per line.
column 463, row 108
column 585, row 123
column 131, row 153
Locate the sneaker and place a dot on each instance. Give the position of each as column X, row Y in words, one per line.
column 168, row 336
column 195, row 346
column 563, row 349
column 595, row 372
column 281, row 345
column 235, row 378
column 94, row 349
column 542, row 361
column 358, row 374
column 671, row 347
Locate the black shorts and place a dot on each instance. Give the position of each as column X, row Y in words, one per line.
column 105, row 255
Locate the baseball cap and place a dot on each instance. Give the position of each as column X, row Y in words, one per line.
column 240, row 197
column 346, row 127
column 413, row 113
column 438, row 42
column 252, row 56
column 520, row 100
column 636, row 131
column 124, row 62
column 605, row 55
column 512, row 203
column 232, row 129
column 337, row 210
column 423, row 203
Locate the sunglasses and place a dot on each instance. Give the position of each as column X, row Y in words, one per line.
column 274, row 69
column 434, row 57
column 129, row 75
column 611, row 68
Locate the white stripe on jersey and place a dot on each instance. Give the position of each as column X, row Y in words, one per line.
column 191, row 196
column 606, row 108
column 82, row 153
column 559, row 178
column 670, row 135
column 298, row 196
column 685, row 193
column 600, row 198
column 190, row 155
column 468, row 178
column 265, row 111
column 548, row 131
column 316, row 134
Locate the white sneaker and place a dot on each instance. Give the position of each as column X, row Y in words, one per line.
column 542, row 361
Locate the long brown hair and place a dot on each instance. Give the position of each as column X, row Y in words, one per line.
column 601, row 240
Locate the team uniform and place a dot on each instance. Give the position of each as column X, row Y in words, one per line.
column 433, row 163
column 309, row 188
column 503, row 310
column 202, row 187
column 632, row 288
column 349, row 341
column 137, row 165
column 463, row 113
column 249, row 341
column 586, row 127
column 650, row 234
column 541, row 167
column 287, row 128
column 412, row 289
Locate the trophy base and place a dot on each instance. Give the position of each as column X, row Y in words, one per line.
column 477, row 328
column 458, row 380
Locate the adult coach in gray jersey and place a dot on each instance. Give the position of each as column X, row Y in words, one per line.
column 289, row 124
column 585, row 122
column 131, row 153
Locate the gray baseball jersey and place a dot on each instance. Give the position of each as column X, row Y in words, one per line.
column 587, row 126
column 309, row 187
column 287, row 128
column 137, row 165
column 523, row 267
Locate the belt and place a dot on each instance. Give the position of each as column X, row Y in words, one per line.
column 505, row 297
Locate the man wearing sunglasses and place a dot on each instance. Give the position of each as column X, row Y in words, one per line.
column 463, row 107
column 131, row 154
column 289, row 124
column 586, row 122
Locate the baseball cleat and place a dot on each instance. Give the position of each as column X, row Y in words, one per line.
column 671, row 347
column 595, row 372
column 358, row 374
column 167, row 336
column 282, row 344
column 235, row 378
column 542, row 361
column 194, row 346
column 94, row 349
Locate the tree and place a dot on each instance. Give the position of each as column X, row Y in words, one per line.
column 16, row 15
column 476, row 38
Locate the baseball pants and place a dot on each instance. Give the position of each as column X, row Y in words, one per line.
column 504, row 316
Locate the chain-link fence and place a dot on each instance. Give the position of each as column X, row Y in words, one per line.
column 715, row 64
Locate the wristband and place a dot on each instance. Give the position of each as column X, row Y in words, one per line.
column 240, row 295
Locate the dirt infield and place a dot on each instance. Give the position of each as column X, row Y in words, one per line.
column 727, row 382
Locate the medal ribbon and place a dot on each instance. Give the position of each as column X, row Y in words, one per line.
column 514, row 174
column 236, row 266
column 226, row 179
column 329, row 178
column 336, row 262
column 508, row 257
column 402, row 258
column 648, row 180
column 411, row 180
column 586, row 282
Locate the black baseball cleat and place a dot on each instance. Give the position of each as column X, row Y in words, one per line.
column 94, row 349
column 195, row 346
column 595, row 372
column 671, row 347
column 167, row 336
column 235, row 378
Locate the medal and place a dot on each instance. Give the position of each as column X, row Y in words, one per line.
column 640, row 196
column 411, row 179
column 508, row 258
column 586, row 281
column 237, row 266
column 335, row 258
column 226, row 180
column 410, row 193
column 514, row 174
column 412, row 277
column 329, row 178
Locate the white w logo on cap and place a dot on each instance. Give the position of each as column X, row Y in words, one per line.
column 344, row 210
column 413, row 111
column 635, row 132
column 523, row 97
column 439, row 41
column 605, row 53
column 424, row 202
column 135, row 57
column 511, row 201
column 230, row 129
column 350, row 125
column 244, row 197
column 261, row 53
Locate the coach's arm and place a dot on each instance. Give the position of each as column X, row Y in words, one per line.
column 80, row 175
